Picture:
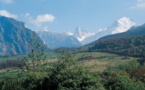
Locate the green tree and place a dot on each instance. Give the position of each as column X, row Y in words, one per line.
column 67, row 74
column 36, row 57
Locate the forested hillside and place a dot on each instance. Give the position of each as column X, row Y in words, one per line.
column 128, row 46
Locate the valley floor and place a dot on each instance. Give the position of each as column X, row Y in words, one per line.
column 93, row 70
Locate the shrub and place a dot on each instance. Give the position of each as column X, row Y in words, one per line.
column 11, row 83
column 117, row 81
column 66, row 74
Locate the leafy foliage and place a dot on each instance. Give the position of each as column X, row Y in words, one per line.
column 139, row 74
column 36, row 57
column 129, row 67
column 67, row 74
column 122, row 82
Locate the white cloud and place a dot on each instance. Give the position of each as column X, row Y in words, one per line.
column 140, row 4
column 7, row 14
column 45, row 18
column 40, row 19
column 7, row 1
column 39, row 22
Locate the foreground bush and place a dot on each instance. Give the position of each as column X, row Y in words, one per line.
column 66, row 74
column 139, row 74
column 20, row 83
column 10, row 83
column 122, row 81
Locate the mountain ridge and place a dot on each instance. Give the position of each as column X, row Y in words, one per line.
column 15, row 37
column 121, row 25
column 134, row 31
column 57, row 40
column 131, row 43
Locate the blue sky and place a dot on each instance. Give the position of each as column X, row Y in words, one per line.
column 66, row 15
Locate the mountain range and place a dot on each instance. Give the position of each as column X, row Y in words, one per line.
column 131, row 43
column 15, row 37
column 57, row 40
column 82, row 37
column 119, row 26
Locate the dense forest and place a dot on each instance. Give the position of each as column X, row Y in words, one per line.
column 129, row 46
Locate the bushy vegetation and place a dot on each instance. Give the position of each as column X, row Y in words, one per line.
column 122, row 81
column 68, row 74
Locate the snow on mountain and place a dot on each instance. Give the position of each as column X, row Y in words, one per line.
column 73, row 39
column 121, row 25
column 80, row 34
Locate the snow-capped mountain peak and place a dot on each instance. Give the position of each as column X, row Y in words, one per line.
column 122, row 25
column 82, row 34
column 119, row 26
column 124, row 20
column 82, row 37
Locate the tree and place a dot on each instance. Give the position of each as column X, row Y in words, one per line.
column 36, row 56
column 67, row 74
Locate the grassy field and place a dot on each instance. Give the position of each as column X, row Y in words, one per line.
column 98, row 61
column 101, row 61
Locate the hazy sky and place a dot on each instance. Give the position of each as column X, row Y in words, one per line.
column 66, row 15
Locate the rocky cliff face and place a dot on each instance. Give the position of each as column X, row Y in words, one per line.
column 15, row 37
